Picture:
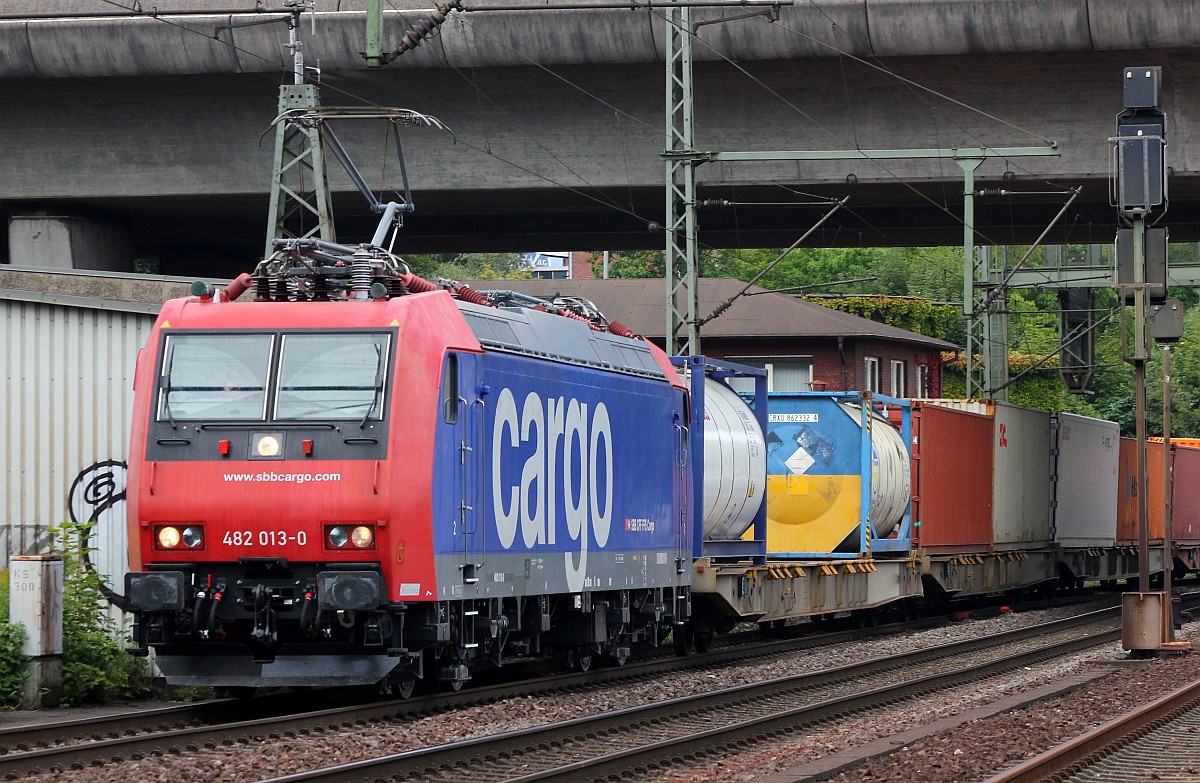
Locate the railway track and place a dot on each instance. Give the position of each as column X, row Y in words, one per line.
column 51, row 747
column 1160, row 741
column 640, row 740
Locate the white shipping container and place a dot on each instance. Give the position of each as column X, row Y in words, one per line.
column 1088, row 481
column 1021, row 487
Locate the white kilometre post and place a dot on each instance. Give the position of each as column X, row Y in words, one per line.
column 36, row 602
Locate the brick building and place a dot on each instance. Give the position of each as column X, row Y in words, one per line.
column 803, row 345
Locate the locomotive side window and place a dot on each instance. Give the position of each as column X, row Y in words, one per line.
column 213, row 376
column 332, row 376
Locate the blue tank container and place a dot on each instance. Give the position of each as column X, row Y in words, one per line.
column 838, row 475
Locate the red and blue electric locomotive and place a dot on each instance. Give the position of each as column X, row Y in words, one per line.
column 362, row 477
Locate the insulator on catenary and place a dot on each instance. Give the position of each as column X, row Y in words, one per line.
column 262, row 289
column 577, row 317
column 620, row 329
column 468, row 294
column 421, row 30
column 239, row 286
column 416, row 284
column 360, row 274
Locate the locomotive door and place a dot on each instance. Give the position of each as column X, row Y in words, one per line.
column 469, row 526
column 682, row 483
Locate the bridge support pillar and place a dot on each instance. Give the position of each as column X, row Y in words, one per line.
column 62, row 241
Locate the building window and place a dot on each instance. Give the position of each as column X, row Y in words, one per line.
column 922, row 381
column 784, row 373
column 899, row 379
column 871, row 377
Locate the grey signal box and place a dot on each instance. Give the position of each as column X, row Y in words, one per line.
column 1156, row 264
column 1141, row 164
column 1143, row 87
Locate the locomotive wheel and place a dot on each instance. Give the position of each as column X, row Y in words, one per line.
column 453, row 685
column 579, row 661
column 404, row 689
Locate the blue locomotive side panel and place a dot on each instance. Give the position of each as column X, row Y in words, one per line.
column 558, row 478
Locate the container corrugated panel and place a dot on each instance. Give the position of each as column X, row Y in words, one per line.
column 66, row 407
column 952, row 485
column 1086, row 491
column 982, row 407
column 1022, row 490
column 1127, row 506
column 1185, row 501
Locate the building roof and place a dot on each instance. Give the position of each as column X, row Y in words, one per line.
column 639, row 303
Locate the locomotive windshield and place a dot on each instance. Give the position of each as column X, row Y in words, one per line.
column 215, row 376
column 241, row 377
column 324, row 376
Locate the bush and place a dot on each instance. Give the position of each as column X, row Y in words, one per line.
column 12, row 660
column 95, row 664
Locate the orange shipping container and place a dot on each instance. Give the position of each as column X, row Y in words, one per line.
column 1127, row 505
column 952, row 479
column 1185, row 495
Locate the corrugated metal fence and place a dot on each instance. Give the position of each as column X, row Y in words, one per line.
column 65, row 412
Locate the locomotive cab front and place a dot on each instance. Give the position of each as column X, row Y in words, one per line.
column 263, row 504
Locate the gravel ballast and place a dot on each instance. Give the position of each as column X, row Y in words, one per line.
column 959, row 756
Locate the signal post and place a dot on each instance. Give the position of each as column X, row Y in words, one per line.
column 1140, row 195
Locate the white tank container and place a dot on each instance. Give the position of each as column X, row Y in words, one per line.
column 735, row 464
column 891, row 472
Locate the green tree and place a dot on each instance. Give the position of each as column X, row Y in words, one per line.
column 468, row 266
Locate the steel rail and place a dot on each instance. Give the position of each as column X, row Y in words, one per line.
column 510, row 747
column 1103, row 740
column 80, row 742
column 87, row 741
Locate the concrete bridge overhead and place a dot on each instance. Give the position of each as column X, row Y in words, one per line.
column 156, row 125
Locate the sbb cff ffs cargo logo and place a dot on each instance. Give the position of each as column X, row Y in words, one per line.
column 571, row 448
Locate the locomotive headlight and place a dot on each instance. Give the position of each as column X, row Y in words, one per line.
column 193, row 536
column 268, row 446
column 168, row 537
column 341, row 536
